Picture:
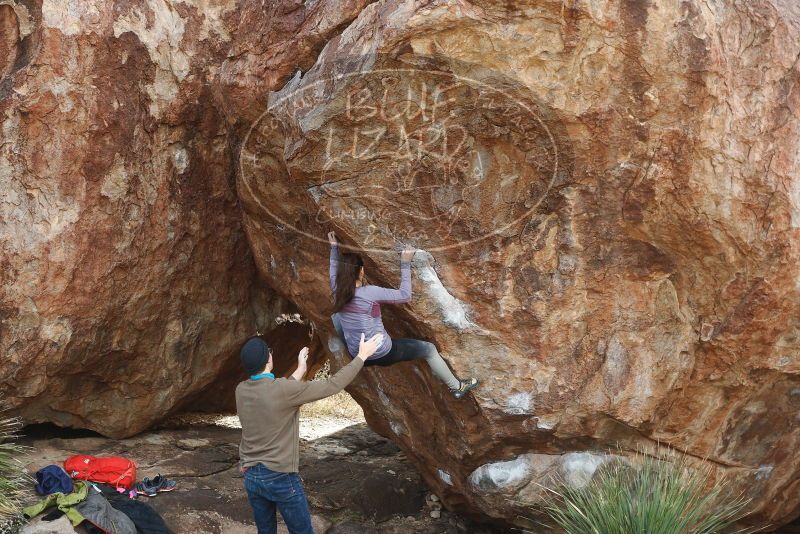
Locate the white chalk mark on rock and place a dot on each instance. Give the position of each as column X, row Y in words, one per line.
column 502, row 474
column 382, row 396
column 578, row 467
column 180, row 159
column 763, row 472
column 335, row 344
column 454, row 312
column 545, row 423
column 520, row 404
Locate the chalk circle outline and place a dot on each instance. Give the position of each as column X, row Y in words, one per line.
column 336, row 78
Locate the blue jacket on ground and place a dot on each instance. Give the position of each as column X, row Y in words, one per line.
column 53, row 479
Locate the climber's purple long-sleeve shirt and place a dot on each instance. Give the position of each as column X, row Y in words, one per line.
column 363, row 312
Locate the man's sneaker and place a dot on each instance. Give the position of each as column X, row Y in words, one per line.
column 152, row 487
column 465, row 386
column 164, row 484
column 145, row 487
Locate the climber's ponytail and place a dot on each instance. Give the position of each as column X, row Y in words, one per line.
column 347, row 272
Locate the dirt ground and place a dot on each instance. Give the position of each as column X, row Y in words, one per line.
column 356, row 481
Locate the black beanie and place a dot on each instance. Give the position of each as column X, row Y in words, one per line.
column 254, row 355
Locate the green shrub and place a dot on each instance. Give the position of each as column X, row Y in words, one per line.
column 648, row 497
column 13, row 477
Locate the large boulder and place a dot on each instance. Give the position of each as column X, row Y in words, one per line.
column 607, row 202
column 126, row 280
column 603, row 193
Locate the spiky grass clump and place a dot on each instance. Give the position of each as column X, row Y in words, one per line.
column 650, row 496
column 13, row 477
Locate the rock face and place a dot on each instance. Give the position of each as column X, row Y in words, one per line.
column 126, row 280
column 605, row 196
column 607, row 200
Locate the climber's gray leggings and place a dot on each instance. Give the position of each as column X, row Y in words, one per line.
column 404, row 350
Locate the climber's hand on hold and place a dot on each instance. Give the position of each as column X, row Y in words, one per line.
column 408, row 253
column 332, row 238
column 368, row 348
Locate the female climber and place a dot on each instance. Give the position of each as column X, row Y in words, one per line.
column 357, row 309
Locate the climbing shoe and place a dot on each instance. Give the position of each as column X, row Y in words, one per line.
column 145, row 487
column 152, row 487
column 465, row 386
column 164, row 484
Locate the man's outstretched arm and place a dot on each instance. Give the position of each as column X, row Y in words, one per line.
column 298, row 393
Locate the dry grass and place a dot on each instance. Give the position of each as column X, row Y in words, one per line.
column 13, row 478
column 339, row 405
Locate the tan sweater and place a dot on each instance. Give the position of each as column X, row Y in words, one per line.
column 269, row 412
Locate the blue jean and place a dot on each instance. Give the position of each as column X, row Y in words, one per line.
column 268, row 490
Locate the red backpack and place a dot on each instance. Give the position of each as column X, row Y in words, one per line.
column 113, row 470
